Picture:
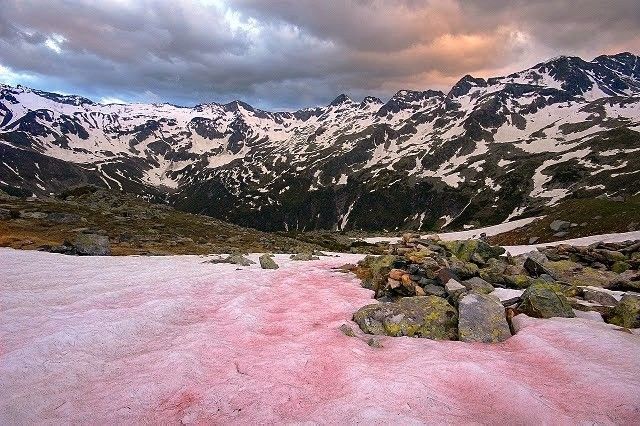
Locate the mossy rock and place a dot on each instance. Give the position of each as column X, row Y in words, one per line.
column 478, row 285
column 462, row 269
column 544, row 300
column 620, row 267
column 430, row 317
column 267, row 262
column 626, row 313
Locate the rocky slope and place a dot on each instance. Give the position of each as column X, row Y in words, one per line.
column 486, row 151
column 90, row 221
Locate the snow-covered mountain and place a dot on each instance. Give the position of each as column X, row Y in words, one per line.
column 487, row 151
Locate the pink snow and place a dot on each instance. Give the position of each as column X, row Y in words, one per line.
column 170, row 339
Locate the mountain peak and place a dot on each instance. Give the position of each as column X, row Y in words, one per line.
column 465, row 84
column 342, row 98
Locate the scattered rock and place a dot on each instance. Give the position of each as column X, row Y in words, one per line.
column 32, row 215
column 533, row 240
column 347, row 330
column 267, row 262
column 234, row 259
column 544, row 301
column 375, row 343
column 557, row 279
column 304, row 257
column 92, row 245
column 65, row 218
column 454, row 288
column 482, row 319
column 5, row 214
column 559, row 225
column 429, row 316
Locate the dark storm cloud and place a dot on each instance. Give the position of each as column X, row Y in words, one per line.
column 283, row 53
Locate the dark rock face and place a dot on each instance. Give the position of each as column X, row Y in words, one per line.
column 408, row 163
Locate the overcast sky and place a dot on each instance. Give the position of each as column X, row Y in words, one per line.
column 285, row 54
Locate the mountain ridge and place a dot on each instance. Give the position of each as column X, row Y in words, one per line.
column 487, row 151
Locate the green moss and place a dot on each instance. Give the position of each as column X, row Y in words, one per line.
column 519, row 281
column 544, row 300
column 626, row 313
column 620, row 266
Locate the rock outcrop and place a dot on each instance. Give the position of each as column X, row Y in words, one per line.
column 431, row 317
column 551, row 282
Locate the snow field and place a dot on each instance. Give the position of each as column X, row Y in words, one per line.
column 170, row 339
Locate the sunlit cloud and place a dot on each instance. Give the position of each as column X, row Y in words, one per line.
column 54, row 42
column 284, row 54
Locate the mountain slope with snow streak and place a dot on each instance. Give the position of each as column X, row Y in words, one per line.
column 170, row 339
column 485, row 152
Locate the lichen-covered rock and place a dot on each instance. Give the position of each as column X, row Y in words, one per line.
column 482, row 319
column 347, row 330
column 494, row 272
column 517, row 282
column 626, row 313
column 418, row 256
column 534, row 267
column 464, row 250
column 462, row 269
column 267, row 262
column 92, row 245
column 478, row 285
column 238, row 259
column 544, row 300
column 374, row 270
column 429, row 317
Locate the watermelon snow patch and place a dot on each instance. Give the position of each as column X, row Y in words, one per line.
column 102, row 340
